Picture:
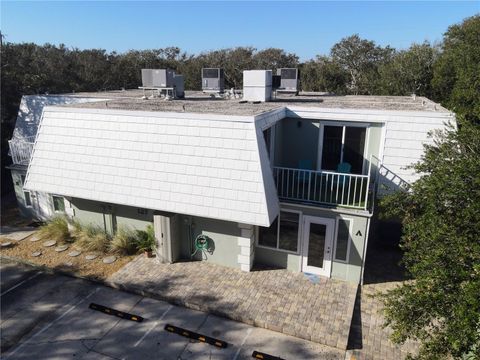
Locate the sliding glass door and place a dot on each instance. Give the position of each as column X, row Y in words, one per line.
column 343, row 144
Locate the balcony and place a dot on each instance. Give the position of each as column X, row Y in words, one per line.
column 323, row 187
column 21, row 150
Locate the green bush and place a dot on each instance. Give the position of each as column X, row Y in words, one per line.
column 125, row 241
column 91, row 238
column 56, row 229
column 146, row 239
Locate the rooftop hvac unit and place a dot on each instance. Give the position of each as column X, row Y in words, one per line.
column 289, row 79
column 213, row 80
column 276, row 81
column 158, row 78
column 257, row 85
column 179, row 86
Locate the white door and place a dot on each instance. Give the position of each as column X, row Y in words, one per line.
column 317, row 245
column 161, row 225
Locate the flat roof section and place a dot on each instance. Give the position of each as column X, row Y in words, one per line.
column 197, row 102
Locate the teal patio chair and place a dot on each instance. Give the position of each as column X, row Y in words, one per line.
column 344, row 168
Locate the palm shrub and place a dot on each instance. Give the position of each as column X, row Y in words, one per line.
column 125, row 241
column 91, row 238
column 56, row 229
column 146, row 239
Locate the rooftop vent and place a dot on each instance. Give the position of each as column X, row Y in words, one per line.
column 290, row 80
column 213, row 80
column 257, row 85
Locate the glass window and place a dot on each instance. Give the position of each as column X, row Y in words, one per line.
column 342, row 239
column 283, row 236
column 28, row 199
column 354, row 146
column 332, row 147
column 58, row 203
column 268, row 236
column 343, row 144
column 316, row 244
column 288, row 236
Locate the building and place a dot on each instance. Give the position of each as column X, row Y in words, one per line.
column 289, row 183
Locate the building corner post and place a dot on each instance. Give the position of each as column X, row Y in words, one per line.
column 246, row 243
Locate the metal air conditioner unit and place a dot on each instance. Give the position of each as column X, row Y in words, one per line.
column 179, row 86
column 290, row 79
column 213, row 80
column 158, row 78
column 257, row 85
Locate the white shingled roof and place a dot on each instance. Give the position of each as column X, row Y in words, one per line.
column 213, row 166
column 30, row 112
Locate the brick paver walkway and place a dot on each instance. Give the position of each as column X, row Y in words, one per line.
column 368, row 339
column 278, row 300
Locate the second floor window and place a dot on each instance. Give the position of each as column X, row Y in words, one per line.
column 343, row 144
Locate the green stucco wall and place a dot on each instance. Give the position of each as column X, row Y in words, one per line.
column 18, row 187
column 299, row 142
column 275, row 258
column 108, row 216
column 298, row 139
column 223, row 234
column 350, row 271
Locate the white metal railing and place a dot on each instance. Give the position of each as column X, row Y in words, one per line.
column 323, row 187
column 21, row 150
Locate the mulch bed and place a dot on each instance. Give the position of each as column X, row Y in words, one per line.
column 94, row 269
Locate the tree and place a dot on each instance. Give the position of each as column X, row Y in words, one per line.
column 324, row 75
column 272, row 59
column 457, row 72
column 440, row 307
column 409, row 72
column 361, row 59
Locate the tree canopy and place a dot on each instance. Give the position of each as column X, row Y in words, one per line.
column 457, row 72
column 441, row 212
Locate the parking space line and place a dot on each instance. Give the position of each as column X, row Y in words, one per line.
column 153, row 326
column 46, row 327
column 249, row 331
column 20, row 283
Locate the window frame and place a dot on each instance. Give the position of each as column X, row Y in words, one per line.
column 299, row 234
column 25, row 192
column 349, row 241
column 53, row 204
column 30, row 198
column 343, row 125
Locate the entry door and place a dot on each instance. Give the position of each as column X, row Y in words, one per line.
column 162, row 229
column 317, row 245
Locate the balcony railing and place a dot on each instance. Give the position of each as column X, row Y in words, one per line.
column 323, row 187
column 21, row 150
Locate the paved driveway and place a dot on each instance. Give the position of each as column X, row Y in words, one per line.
column 278, row 300
column 47, row 317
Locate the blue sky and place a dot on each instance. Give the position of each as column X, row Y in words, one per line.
column 306, row 28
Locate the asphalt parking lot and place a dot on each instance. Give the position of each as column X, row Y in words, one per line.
column 45, row 316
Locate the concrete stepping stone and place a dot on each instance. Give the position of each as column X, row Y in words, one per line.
column 36, row 253
column 6, row 244
column 109, row 259
column 35, row 238
column 61, row 248
column 74, row 253
column 49, row 243
column 91, row 256
column 18, row 235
